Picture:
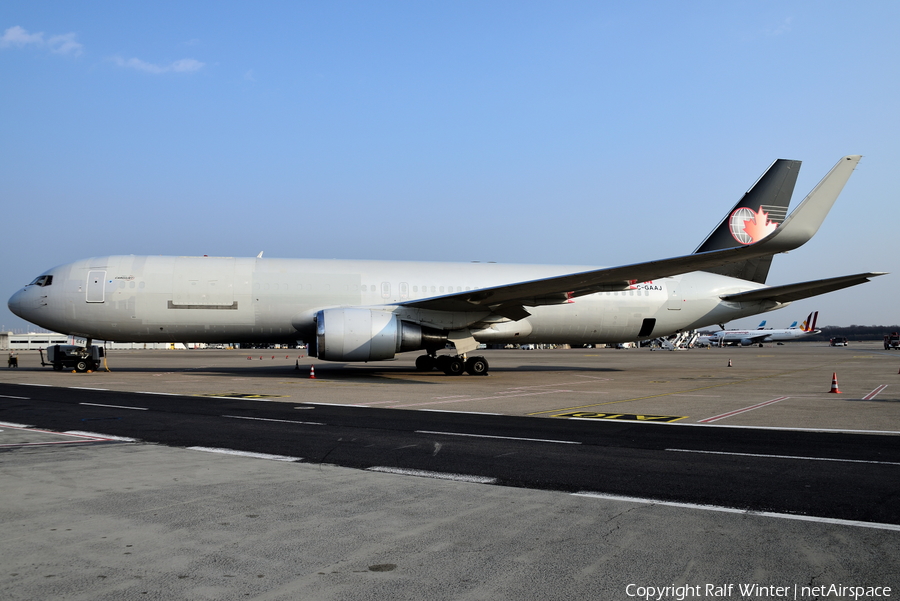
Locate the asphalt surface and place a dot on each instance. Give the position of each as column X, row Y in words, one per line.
column 834, row 475
column 564, row 474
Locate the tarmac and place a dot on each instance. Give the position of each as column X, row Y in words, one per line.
column 92, row 519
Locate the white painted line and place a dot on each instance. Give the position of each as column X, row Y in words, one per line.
column 41, row 385
column 102, row 436
column 874, row 393
column 487, row 398
column 246, row 454
column 499, row 437
column 466, row 412
column 21, row 398
column 266, row 419
column 115, row 406
column 767, row 514
column 159, row 393
column 784, row 456
column 780, row 428
column 716, row 418
column 14, row 425
column 437, row 475
column 331, row 404
column 86, row 388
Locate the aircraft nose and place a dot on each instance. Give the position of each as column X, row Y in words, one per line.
column 16, row 303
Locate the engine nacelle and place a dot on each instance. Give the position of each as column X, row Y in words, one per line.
column 746, row 342
column 369, row 335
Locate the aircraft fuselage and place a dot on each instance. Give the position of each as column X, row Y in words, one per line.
column 222, row 299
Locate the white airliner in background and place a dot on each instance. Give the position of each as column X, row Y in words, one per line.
column 372, row 310
column 760, row 335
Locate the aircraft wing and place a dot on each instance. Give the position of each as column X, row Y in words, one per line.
column 793, row 292
column 509, row 300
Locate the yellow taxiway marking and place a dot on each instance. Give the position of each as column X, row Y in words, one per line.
column 632, row 417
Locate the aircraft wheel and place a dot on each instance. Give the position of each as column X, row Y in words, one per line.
column 81, row 366
column 425, row 363
column 454, row 366
column 57, row 367
column 477, row 366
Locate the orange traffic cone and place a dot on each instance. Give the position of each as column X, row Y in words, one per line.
column 312, row 372
column 834, row 387
column 248, row 358
column 729, row 363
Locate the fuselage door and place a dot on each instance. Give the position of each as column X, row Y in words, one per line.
column 96, row 284
column 674, row 301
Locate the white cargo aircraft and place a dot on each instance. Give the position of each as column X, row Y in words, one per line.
column 760, row 336
column 372, row 310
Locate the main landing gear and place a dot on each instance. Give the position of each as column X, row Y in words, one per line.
column 453, row 365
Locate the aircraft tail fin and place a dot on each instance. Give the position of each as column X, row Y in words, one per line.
column 792, row 326
column 810, row 324
column 761, row 325
column 764, row 204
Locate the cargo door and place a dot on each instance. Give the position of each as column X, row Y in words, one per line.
column 96, row 285
column 203, row 282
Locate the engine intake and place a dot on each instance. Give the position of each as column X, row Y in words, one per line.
column 370, row 335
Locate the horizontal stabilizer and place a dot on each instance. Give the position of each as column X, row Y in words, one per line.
column 794, row 292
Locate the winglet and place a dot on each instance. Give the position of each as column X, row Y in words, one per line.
column 805, row 220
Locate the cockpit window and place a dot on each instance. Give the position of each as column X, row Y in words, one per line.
column 43, row 280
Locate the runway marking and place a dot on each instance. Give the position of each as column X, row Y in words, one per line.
column 159, row 393
column 466, row 412
column 21, row 398
column 246, row 454
column 487, row 398
column 498, row 437
column 41, row 385
column 331, row 404
column 716, row 418
column 266, row 419
column 375, row 403
column 767, row 514
column 86, row 388
column 784, row 456
column 662, row 394
column 874, row 393
column 115, row 406
column 437, row 475
column 630, row 417
column 103, row 436
column 240, row 395
column 84, row 437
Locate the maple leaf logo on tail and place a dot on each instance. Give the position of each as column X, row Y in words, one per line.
column 748, row 226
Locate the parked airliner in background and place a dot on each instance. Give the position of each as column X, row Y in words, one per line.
column 372, row 310
column 760, row 336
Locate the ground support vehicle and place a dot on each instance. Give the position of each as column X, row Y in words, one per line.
column 79, row 358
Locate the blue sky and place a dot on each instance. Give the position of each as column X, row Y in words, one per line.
column 576, row 133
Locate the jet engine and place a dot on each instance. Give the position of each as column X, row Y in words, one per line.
column 370, row 335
